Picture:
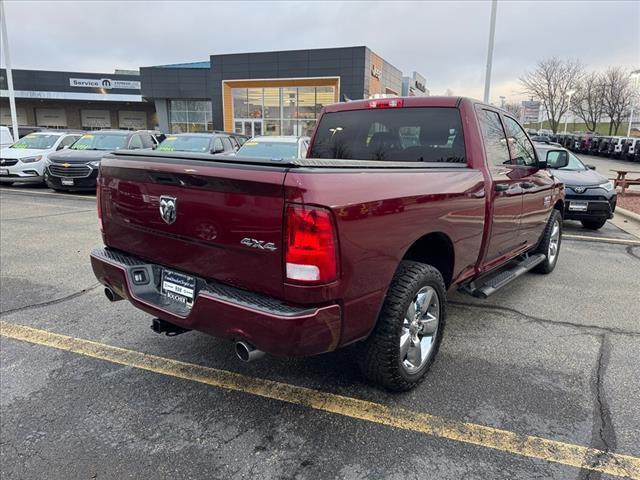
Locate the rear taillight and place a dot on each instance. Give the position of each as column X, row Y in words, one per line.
column 311, row 255
column 99, row 204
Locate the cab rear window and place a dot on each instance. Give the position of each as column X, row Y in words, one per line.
column 416, row 134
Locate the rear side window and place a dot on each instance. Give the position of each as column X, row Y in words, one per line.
column 521, row 148
column 495, row 141
column 418, row 134
column 147, row 140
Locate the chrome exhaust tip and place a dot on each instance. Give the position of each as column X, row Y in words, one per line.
column 111, row 295
column 247, row 352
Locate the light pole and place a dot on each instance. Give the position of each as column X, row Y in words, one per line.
column 7, row 61
column 634, row 79
column 566, row 118
column 502, row 99
column 492, row 33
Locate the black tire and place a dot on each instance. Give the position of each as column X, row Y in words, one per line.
column 8, row 184
column 595, row 224
column 379, row 355
column 543, row 247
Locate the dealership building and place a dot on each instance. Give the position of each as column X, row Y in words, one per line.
column 86, row 101
column 264, row 93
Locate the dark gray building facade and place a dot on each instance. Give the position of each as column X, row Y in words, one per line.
column 78, row 100
column 264, row 93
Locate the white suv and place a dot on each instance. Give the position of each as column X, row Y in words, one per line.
column 26, row 159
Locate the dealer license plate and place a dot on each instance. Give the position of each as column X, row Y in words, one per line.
column 578, row 206
column 67, row 181
column 178, row 286
column 4, row 171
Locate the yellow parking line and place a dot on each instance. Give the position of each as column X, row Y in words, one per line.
column 465, row 432
column 601, row 239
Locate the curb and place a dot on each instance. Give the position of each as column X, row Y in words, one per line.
column 628, row 214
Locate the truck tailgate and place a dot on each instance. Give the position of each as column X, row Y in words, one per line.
column 227, row 224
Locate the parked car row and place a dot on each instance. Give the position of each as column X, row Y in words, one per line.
column 70, row 159
column 616, row 147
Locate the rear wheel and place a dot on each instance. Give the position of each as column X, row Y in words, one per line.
column 404, row 343
column 550, row 243
column 594, row 224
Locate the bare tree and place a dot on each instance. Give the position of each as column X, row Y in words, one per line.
column 514, row 108
column 618, row 96
column 550, row 82
column 588, row 100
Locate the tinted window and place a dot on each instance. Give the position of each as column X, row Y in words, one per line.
column 217, row 145
column 147, row 140
column 68, row 141
column 101, row 141
column 422, row 134
column 185, row 143
column 274, row 150
column 227, row 144
column 495, row 141
column 520, row 146
column 135, row 143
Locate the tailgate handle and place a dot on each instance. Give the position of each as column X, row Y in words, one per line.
column 165, row 178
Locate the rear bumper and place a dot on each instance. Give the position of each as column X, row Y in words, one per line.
column 224, row 311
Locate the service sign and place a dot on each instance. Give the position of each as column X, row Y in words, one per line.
column 106, row 83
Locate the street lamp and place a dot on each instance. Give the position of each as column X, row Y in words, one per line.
column 566, row 118
column 635, row 75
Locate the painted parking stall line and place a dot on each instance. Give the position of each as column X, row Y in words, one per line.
column 465, row 432
column 587, row 238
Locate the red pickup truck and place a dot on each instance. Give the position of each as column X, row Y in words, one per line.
column 399, row 201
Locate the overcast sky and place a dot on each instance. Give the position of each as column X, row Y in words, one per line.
column 444, row 41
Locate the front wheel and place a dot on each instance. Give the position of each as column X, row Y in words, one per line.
column 594, row 224
column 406, row 338
column 550, row 243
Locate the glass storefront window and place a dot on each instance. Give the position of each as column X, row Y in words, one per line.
column 289, row 103
column 285, row 110
column 272, row 103
column 324, row 96
column 272, row 127
column 307, row 102
column 240, row 104
column 254, row 102
column 190, row 116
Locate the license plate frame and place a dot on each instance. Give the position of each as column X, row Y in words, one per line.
column 4, row 172
column 68, row 182
column 578, row 205
column 178, row 286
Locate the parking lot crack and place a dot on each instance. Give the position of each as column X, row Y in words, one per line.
column 51, row 302
column 603, row 435
column 592, row 329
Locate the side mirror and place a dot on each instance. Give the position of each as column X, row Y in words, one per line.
column 591, row 167
column 555, row 159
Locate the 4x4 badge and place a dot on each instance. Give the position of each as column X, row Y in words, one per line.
column 168, row 208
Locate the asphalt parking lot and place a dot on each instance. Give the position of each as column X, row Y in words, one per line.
column 554, row 357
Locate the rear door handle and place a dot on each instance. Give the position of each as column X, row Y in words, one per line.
column 501, row 187
column 527, row 185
